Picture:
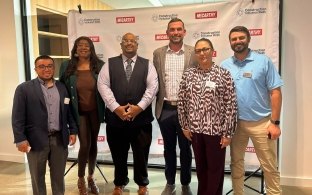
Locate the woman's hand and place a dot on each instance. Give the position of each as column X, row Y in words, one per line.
column 225, row 142
column 188, row 134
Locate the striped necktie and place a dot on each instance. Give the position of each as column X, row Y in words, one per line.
column 128, row 68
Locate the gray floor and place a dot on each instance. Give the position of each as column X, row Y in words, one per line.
column 15, row 179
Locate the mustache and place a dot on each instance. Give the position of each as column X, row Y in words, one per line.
column 239, row 44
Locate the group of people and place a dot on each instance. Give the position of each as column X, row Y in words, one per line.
column 199, row 104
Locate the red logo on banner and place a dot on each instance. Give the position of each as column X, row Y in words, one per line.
column 250, row 150
column 160, row 142
column 95, row 38
column 203, row 15
column 125, row 19
column 101, row 138
column 214, row 54
column 161, row 37
column 255, row 32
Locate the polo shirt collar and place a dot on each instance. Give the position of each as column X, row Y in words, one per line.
column 250, row 57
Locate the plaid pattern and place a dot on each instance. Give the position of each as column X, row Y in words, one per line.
column 174, row 67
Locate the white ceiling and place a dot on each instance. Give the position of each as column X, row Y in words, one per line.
column 127, row 4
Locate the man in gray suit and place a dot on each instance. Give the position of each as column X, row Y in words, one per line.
column 170, row 62
column 43, row 126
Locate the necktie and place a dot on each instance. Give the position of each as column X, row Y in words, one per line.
column 128, row 68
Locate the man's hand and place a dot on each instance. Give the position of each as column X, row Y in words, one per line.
column 24, row 147
column 133, row 111
column 121, row 111
column 72, row 139
column 274, row 131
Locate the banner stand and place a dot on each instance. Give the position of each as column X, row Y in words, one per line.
column 207, row 20
column 262, row 189
column 96, row 164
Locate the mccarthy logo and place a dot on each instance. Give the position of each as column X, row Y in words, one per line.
column 95, row 38
column 125, row 19
column 250, row 150
column 161, row 37
column 101, row 139
column 203, row 15
column 255, row 32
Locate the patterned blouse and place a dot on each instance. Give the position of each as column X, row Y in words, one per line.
column 207, row 102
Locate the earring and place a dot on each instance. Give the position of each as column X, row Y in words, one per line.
column 76, row 55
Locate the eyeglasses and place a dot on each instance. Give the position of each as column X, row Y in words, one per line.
column 204, row 50
column 132, row 41
column 43, row 67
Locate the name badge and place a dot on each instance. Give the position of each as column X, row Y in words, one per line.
column 210, row 84
column 247, row 74
column 66, row 101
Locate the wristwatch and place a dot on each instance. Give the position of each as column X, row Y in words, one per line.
column 275, row 122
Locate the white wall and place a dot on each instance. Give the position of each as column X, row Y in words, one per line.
column 296, row 142
column 11, row 72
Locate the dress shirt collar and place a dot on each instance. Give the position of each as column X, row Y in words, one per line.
column 124, row 58
column 170, row 51
column 43, row 83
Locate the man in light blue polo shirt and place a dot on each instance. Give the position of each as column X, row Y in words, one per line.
column 259, row 104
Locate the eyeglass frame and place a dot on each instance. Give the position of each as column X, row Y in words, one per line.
column 204, row 50
column 132, row 41
column 43, row 67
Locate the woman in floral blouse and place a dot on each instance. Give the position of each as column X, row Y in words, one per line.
column 207, row 111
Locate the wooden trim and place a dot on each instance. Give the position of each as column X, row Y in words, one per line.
column 52, row 34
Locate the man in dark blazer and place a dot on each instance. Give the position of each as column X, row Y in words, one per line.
column 170, row 62
column 43, row 126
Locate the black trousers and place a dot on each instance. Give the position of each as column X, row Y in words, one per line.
column 88, row 133
column 172, row 134
column 119, row 141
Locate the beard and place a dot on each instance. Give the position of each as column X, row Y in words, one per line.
column 239, row 47
column 176, row 39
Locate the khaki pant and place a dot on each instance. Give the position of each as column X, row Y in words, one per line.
column 265, row 151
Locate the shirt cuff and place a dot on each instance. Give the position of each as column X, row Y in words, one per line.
column 142, row 105
column 21, row 143
column 113, row 106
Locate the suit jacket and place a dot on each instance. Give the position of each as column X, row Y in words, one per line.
column 159, row 59
column 30, row 115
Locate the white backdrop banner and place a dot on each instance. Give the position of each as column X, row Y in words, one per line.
column 210, row 20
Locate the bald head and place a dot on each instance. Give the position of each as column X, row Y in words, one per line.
column 129, row 45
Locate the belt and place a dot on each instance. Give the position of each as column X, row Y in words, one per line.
column 171, row 103
column 53, row 132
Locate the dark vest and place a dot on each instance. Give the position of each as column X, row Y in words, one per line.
column 128, row 92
